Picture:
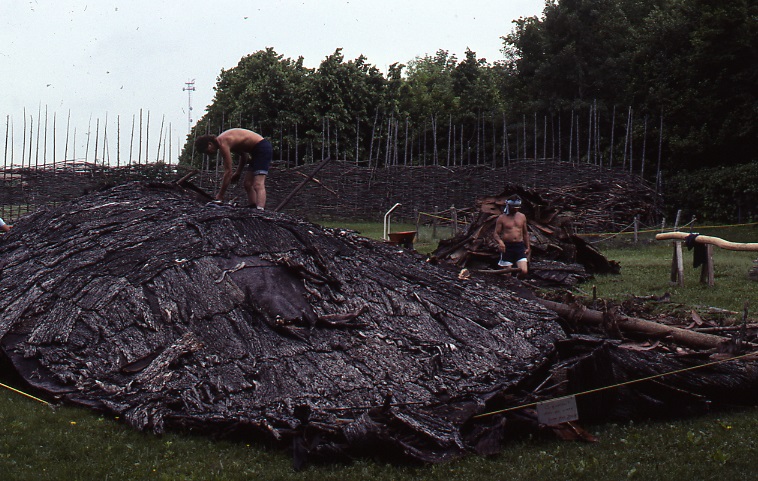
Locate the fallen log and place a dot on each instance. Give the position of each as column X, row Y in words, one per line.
column 699, row 340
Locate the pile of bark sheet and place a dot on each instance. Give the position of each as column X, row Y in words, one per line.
column 595, row 199
column 558, row 257
column 145, row 302
column 172, row 313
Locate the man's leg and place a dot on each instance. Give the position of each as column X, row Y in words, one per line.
column 256, row 190
column 252, row 196
column 522, row 264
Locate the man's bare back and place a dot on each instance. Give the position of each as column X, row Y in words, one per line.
column 239, row 140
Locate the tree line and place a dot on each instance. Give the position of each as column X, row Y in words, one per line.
column 647, row 85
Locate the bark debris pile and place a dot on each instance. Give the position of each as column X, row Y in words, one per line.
column 559, row 256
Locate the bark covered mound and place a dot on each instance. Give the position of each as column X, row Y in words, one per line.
column 169, row 312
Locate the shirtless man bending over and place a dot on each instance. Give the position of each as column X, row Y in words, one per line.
column 512, row 236
column 254, row 151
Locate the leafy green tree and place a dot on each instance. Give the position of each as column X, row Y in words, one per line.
column 346, row 94
column 263, row 91
column 698, row 63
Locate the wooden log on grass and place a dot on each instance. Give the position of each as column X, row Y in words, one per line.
column 699, row 340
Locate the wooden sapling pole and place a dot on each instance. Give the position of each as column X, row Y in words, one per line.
column 23, row 145
column 578, row 152
column 535, row 136
column 97, row 139
column 147, row 138
column 454, row 218
column 68, row 126
column 560, row 151
column 544, row 139
column 706, row 272
column 644, row 145
column 589, row 137
column 613, row 128
column 44, row 145
column 105, row 139
column 677, row 265
column 636, row 227
column 160, row 139
column 660, row 148
column 300, row 186
column 435, row 221
column 523, row 140
column 5, row 155
column 55, row 117
column 36, row 150
column 131, row 140
column 571, row 135
column 139, row 145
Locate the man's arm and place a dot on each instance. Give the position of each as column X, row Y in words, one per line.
column 226, row 157
column 498, row 235
column 244, row 158
column 525, row 235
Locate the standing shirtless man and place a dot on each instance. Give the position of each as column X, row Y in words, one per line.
column 512, row 236
column 254, row 151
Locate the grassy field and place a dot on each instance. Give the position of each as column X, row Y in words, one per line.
column 66, row 443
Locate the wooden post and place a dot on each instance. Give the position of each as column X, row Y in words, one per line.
column 677, row 265
column 435, row 221
column 636, row 227
column 707, row 275
column 454, row 217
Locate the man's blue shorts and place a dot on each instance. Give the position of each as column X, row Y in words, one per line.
column 514, row 252
column 260, row 158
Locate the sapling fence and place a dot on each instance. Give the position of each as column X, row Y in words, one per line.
column 429, row 165
column 496, row 139
column 602, row 200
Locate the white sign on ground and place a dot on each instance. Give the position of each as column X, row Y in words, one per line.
column 557, row 411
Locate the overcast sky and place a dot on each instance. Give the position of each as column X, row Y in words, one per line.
column 98, row 58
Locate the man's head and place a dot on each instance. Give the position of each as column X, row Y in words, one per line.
column 512, row 205
column 206, row 144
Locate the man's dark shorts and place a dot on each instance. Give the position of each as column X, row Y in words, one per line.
column 260, row 158
column 514, row 252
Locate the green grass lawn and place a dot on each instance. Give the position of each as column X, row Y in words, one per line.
column 67, row 443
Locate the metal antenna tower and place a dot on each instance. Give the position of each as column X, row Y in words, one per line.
column 190, row 87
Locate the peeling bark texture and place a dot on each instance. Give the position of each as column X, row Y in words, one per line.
column 144, row 302
column 586, row 364
column 559, row 257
